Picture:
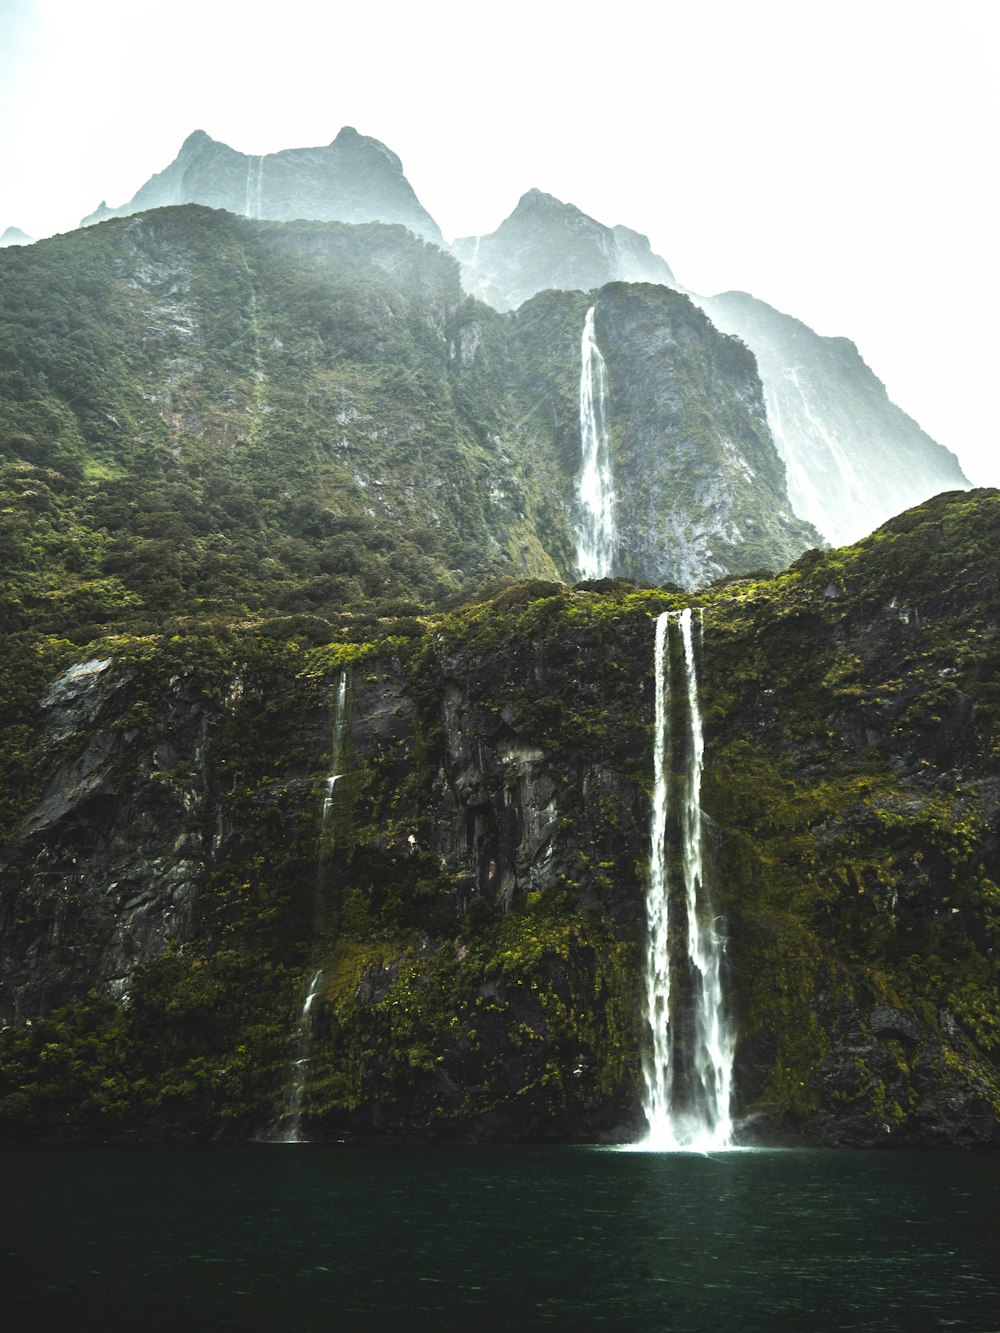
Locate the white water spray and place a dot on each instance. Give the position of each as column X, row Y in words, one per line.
column 688, row 1080
column 596, row 536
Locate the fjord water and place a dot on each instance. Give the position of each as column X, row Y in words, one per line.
column 333, row 1236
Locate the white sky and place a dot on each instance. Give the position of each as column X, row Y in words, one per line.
column 836, row 158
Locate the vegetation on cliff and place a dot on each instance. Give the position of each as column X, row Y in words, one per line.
column 474, row 895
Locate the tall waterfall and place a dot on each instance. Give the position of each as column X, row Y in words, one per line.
column 291, row 1124
column 688, row 1066
column 596, row 536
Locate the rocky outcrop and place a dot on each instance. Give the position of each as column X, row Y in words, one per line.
column 353, row 179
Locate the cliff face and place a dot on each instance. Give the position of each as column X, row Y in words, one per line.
column 471, row 887
column 353, row 179
column 700, row 489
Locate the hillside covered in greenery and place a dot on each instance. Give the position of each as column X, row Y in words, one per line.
column 205, row 415
column 178, row 866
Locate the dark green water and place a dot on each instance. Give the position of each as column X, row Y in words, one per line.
column 310, row 1237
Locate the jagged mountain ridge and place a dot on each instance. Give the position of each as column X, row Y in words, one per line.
column 353, row 179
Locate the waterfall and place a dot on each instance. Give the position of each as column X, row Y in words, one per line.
column 596, row 536
column 687, row 1069
column 258, row 199
column 292, row 1124
column 254, row 185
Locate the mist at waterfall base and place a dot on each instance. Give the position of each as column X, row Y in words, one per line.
column 258, row 1237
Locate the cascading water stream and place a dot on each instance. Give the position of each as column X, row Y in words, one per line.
column 300, row 1065
column 291, row 1125
column 254, row 187
column 596, row 536
column 688, row 1080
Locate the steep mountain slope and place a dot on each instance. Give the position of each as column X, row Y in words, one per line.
column 700, row 490
column 201, row 414
column 353, row 179
column 177, row 864
column 853, row 457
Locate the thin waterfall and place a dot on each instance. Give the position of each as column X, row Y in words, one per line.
column 596, row 536
column 258, row 197
column 688, row 1067
column 291, row 1125
column 252, row 207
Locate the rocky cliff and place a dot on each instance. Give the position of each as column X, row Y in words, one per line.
column 178, row 865
column 353, row 179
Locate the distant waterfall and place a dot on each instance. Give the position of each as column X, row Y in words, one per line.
column 254, row 187
column 688, row 1067
column 291, row 1125
column 596, row 536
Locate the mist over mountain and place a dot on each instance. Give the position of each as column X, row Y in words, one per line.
column 853, row 457
column 352, row 179
column 15, row 236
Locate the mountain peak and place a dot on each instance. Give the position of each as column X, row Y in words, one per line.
column 195, row 140
column 535, row 198
column 353, row 179
column 15, row 236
